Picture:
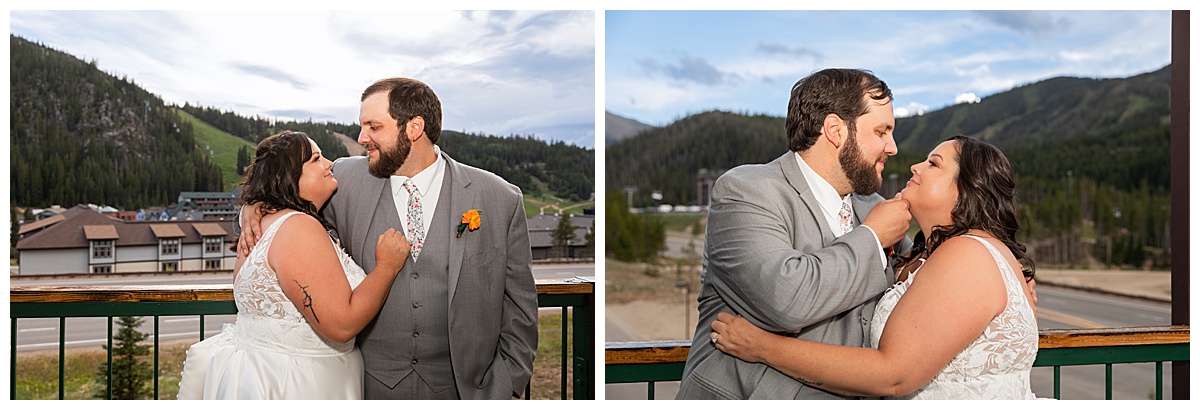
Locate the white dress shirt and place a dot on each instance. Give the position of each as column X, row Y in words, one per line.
column 831, row 203
column 429, row 187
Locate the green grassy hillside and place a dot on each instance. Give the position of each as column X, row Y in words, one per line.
column 224, row 147
column 537, row 205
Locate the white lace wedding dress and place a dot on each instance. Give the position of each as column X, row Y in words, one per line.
column 271, row 352
column 994, row 366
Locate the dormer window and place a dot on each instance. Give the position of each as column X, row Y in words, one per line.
column 102, row 240
column 102, row 249
column 214, row 238
column 213, row 244
column 170, row 239
column 168, row 247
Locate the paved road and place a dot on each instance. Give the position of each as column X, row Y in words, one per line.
column 39, row 334
column 1062, row 308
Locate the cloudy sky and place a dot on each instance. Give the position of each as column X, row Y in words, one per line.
column 664, row 65
column 499, row 72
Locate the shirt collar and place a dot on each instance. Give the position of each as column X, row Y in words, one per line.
column 826, row 195
column 423, row 179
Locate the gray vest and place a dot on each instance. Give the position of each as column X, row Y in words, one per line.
column 411, row 333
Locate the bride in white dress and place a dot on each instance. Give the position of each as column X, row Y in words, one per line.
column 301, row 300
column 958, row 324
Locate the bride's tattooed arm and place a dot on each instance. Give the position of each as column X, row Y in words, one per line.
column 308, row 303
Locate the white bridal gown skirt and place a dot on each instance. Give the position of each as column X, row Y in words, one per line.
column 265, row 358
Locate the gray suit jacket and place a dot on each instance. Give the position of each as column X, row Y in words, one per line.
column 493, row 300
column 770, row 256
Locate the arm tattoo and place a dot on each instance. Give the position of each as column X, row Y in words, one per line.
column 809, row 382
column 307, row 300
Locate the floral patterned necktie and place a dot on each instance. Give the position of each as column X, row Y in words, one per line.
column 847, row 224
column 416, row 219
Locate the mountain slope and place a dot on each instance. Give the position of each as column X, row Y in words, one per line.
column 1052, row 110
column 617, row 128
column 83, row 136
column 1063, row 124
column 1045, row 128
column 1091, row 158
column 220, row 147
column 668, row 159
column 79, row 135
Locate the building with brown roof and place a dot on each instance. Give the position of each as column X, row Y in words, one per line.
column 541, row 236
column 85, row 241
column 213, row 206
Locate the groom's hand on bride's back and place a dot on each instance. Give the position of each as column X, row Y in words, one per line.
column 889, row 219
column 250, row 220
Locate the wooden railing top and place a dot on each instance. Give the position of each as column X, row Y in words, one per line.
column 676, row 351
column 1117, row 336
column 188, row 293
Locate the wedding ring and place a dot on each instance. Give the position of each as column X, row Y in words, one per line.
column 713, row 337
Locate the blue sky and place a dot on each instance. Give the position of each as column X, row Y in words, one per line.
column 496, row 72
column 663, row 65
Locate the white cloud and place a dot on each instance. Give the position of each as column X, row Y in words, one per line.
column 969, row 98
column 911, row 109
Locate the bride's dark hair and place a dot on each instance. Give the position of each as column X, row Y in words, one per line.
column 986, row 201
column 273, row 178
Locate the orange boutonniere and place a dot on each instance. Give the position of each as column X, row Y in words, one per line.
column 470, row 222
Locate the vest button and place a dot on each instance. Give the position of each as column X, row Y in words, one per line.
column 415, row 334
column 414, row 361
column 416, row 275
column 416, row 305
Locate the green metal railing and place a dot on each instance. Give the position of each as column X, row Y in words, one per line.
column 577, row 301
column 659, row 361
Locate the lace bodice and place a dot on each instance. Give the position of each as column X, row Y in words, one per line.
column 257, row 294
column 994, row 366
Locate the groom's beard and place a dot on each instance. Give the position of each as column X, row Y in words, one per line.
column 391, row 159
column 859, row 170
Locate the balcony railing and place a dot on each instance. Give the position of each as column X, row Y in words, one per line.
column 659, row 361
column 577, row 301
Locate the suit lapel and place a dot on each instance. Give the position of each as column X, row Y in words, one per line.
column 795, row 177
column 461, row 200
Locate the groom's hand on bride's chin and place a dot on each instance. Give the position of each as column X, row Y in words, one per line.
column 889, row 219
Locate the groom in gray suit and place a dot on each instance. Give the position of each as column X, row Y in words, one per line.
column 461, row 318
column 460, row 321
column 799, row 246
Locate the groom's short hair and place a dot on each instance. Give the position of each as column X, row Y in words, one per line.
column 830, row 91
column 408, row 98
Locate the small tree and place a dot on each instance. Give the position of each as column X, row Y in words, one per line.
column 129, row 371
column 562, row 235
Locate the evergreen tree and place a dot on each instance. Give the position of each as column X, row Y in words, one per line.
column 80, row 135
column 129, row 372
column 243, row 160
column 631, row 237
column 562, row 236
